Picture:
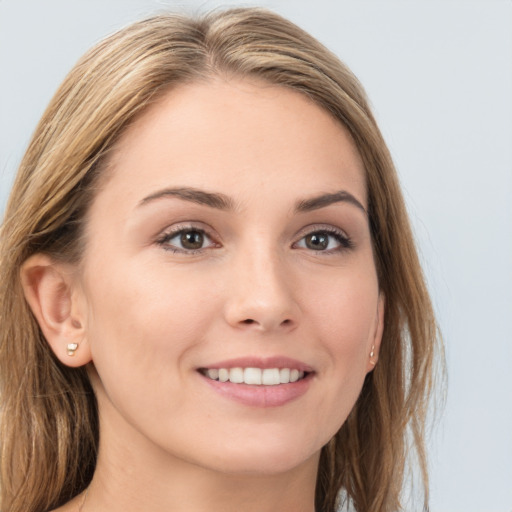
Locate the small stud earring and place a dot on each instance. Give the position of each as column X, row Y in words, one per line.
column 72, row 348
column 372, row 353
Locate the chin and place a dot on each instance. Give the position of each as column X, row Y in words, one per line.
column 264, row 461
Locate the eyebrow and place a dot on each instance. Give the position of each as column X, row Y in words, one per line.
column 194, row 195
column 323, row 200
column 225, row 203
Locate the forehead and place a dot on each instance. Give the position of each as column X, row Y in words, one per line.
column 240, row 137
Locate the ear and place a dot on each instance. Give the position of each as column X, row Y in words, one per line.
column 53, row 294
column 376, row 338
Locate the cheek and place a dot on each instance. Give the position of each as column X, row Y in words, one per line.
column 344, row 310
column 144, row 329
column 145, row 322
column 344, row 320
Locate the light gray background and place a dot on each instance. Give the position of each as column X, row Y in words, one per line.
column 439, row 74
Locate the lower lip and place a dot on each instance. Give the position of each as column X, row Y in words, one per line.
column 261, row 396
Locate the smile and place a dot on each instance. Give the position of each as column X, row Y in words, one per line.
column 254, row 376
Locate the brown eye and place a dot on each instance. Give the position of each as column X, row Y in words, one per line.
column 317, row 241
column 192, row 240
column 327, row 241
column 186, row 241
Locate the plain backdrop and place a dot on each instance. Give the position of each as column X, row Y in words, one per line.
column 439, row 75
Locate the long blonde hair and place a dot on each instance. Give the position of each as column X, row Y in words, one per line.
column 49, row 425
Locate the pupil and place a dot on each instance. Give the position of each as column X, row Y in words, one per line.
column 192, row 240
column 317, row 241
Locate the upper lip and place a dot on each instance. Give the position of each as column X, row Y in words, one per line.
column 261, row 362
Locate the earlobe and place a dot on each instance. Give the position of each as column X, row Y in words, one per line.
column 373, row 355
column 51, row 292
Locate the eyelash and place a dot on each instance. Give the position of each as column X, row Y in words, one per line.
column 345, row 243
column 164, row 240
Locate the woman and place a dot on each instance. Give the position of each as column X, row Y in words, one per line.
column 211, row 297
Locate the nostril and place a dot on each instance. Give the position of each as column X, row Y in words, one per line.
column 250, row 321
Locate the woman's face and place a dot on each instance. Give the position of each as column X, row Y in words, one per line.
column 230, row 241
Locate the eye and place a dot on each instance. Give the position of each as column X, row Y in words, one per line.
column 186, row 240
column 325, row 240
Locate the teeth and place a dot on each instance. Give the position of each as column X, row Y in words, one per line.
column 270, row 377
column 255, row 376
column 213, row 374
column 236, row 375
column 252, row 376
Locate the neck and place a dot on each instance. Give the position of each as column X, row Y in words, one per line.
column 185, row 487
column 134, row 475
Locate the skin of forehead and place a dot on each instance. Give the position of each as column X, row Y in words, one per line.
column 248, row 86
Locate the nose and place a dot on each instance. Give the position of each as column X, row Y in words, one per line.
column 261, row 294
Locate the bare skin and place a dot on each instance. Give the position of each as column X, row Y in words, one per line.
column 231, row 227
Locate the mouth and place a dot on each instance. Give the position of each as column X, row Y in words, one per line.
column 259, row 382
column 255, row 376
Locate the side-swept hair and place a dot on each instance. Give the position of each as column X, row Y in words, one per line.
column 49, row 420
